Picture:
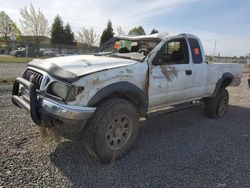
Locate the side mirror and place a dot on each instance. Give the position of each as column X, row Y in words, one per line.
column 157, row 59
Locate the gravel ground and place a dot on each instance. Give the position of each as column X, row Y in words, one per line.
column 183, row 149
column 11, row 69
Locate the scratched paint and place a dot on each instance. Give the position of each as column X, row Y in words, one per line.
column 129, row 71
column 170, row 72
column 135, row 73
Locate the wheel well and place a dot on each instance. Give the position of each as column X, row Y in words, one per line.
column 129, row 96
column 123, row 90
column 223, row 82
column 226, row 82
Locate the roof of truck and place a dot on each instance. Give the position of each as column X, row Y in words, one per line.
column 153, row 37
column 156, row 36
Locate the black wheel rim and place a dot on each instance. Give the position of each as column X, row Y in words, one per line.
column 118, row 132
column 222, row 106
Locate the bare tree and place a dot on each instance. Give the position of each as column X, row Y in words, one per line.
column 120, row 31
column 87, row 37
column 34, row 23
column 7, row 26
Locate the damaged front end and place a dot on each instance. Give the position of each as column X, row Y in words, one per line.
column 48, row 101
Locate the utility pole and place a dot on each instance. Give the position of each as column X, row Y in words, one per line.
column 214, row 48
column 13, row 39
column 27, row 49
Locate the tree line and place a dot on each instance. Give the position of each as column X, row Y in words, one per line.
column 33, row 23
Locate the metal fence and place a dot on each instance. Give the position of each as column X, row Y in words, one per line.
column 244, row 62
column 44, row 48
column 31, row 49
column 217, row 59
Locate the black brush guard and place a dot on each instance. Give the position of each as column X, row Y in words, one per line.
column 30, row 106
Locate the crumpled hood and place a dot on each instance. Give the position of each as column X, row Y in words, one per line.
column 84, row 64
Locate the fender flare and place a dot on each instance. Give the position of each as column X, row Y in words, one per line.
column 121, row 89
column 222, row 84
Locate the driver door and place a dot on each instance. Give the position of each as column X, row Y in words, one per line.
column 171, row 75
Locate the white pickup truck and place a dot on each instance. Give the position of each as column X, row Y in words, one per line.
column 102, row 96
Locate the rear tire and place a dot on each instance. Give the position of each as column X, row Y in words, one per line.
column 112, row 130
column 216, row 107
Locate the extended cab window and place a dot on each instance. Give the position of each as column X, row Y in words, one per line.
column 174, row 52
column 195, row 50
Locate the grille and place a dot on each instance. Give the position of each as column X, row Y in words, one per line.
column 34, row 77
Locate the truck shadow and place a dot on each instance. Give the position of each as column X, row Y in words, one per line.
column 171, row 150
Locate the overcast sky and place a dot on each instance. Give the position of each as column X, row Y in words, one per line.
column 224, row 21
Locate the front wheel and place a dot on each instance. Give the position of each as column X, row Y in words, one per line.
column 112, row 130
column 217, row 106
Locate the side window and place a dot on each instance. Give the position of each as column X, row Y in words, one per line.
column 195, row 50
column 174, row 52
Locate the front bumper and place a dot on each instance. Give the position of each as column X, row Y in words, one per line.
column 47, row 112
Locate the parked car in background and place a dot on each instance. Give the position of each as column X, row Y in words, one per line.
column 13, row 52
column 31, row 53
column 48, row 52
column 2, row 50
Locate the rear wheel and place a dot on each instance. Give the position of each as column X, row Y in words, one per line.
column 112, row 130
column 217, row 106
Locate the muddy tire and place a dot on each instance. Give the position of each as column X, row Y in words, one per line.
column 112, row 130
column 216, row 107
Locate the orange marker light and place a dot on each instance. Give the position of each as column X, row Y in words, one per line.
column 196, row 51
column 117, row 45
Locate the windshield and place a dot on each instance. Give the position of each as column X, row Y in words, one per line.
column 128, row 49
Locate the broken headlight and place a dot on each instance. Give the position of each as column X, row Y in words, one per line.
column 64, row 91
column 73, row 92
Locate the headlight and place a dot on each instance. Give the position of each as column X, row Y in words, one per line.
column 73, row 92
column 63, row 91
column 59, row 89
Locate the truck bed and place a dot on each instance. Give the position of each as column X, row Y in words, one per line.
column 216, row 71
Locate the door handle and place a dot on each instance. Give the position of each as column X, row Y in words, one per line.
column 188, row 72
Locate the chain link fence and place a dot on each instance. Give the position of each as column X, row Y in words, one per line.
column 32, row 49
column 45, row 49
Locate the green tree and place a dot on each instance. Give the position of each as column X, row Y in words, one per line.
column 154, row 31
column 107, row 33
column 57, row 31
column 137, row 31
column 68, row 35
column 7, row 26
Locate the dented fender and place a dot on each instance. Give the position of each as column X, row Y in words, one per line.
column 123, row 79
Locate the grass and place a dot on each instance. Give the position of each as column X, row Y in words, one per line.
column 7, row 80
column 12, row 59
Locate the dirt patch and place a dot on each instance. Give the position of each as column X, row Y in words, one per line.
column 7, row 80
